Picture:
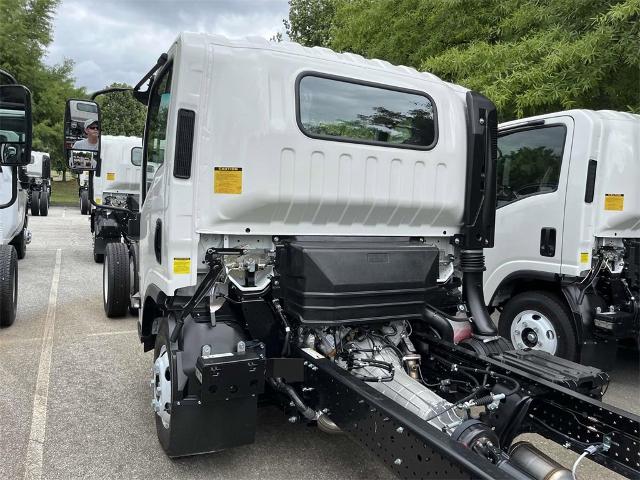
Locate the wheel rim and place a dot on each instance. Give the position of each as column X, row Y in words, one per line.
column 161, row 385
column 105, row 279
column 532, row 329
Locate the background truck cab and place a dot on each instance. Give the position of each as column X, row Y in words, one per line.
column 564, row 272
column 117, row 184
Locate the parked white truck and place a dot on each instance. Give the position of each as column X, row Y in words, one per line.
column 15, row 154
column 311, row 231
column 38, row 183
column 117, row 184
column 565, row 270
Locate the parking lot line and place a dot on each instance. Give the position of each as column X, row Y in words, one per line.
column 35, row 447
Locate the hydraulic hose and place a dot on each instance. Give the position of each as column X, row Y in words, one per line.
column 472, row 266
column 288, row 390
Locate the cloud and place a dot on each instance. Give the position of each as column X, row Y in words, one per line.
column 119, row 40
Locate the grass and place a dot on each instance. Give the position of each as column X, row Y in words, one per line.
column 64, row 193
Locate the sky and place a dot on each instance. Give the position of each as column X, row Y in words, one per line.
column 119, row 40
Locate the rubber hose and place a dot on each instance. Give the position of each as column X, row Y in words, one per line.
column 288, row 390
column 474, row 295
column 439, row 323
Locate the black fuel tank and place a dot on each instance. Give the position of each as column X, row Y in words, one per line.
column 355, row 280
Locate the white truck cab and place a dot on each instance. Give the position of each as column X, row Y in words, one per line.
column 15, row 153
column 566, row 264
column 116, row 184
column 13, row 219
column 313, row 224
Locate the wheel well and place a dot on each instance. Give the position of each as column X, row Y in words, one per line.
column 514, row 286
column 150, row 311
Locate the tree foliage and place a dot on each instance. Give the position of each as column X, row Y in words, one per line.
column 121, row 114
column 528, row 57
column 25, row 33
column 310, row 22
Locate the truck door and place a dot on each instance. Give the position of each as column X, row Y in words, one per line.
column 532, row 173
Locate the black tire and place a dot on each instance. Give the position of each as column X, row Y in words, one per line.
column 8, row 285
column 85, row 206
column 20, row 243
column 162, row 340
column 553, row 309
column 44, row 204
column 35, row 203
column 115, row 280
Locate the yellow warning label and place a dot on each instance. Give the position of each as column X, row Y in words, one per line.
column 227, row 180
column 181, row 266
column 584, row 257
column 98, row 200
column 614, row 202
column 111, row 176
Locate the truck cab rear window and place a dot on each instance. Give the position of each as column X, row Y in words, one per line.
column 351, row 111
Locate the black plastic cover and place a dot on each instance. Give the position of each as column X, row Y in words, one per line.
column 332, row 281
column 557, row 370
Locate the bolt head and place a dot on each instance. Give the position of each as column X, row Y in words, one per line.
column 482, row 121
column 397, row 461
column 293, row 419
column 517, row 332
column 399, row 429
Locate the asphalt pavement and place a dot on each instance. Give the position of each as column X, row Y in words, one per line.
column 75, row 399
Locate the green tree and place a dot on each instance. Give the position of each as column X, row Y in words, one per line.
column 528, row 57
column 121, row 114
column 310, row 22
column 25, row 33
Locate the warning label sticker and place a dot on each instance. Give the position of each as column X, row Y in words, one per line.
column 614, row 202
column 227, row 180
column 111, row 176
column 181, row 266
column 584, row 257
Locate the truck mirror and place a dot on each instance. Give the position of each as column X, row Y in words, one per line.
column 82, row 135
column 15, row 125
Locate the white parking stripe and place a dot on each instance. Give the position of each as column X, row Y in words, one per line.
column 35, row 447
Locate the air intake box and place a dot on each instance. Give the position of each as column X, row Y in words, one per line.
column 350, row 281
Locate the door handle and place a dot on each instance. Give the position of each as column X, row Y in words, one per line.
column 548, row 242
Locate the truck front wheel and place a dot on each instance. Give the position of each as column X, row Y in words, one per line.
column 541, row 321
column 8, row 285
column 85, row 206
column 115, row 280
column 44, row 204
column 35, row 203
column 161, row 384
